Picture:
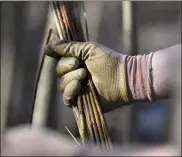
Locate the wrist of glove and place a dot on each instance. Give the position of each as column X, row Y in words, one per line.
column 109, row 70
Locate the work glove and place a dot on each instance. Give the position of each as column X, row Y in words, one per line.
column 107, row 69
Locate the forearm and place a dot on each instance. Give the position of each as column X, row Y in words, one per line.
column 165, row 65
column 151, row 77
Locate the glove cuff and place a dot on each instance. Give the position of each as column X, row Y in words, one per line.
column 138, row 77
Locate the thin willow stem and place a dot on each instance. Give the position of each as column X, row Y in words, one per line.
column 72, row 136
column 88, row 116
column 103, row 122
column 96, row 134
column 82, row 120
column 59, row 23
column 70, row 21
column 64, row 19
column 77, row 118
column 97, row 118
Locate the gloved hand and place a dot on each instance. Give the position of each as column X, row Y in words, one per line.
column 107, row 69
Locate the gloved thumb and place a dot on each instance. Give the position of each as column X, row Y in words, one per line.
column 80, row 50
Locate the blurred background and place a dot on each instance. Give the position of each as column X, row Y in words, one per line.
column 127, row 27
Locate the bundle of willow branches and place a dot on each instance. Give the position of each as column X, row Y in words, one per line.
column 88, row 114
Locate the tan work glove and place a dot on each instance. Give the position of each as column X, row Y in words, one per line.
column 106, row 67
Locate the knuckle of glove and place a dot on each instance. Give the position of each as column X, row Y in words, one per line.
column 79, row 75
column 48, row 50
column 66, row 65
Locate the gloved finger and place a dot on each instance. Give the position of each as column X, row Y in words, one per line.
column 79, row 50
column 79, row 75
column 70, row 92
column 66, row 65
